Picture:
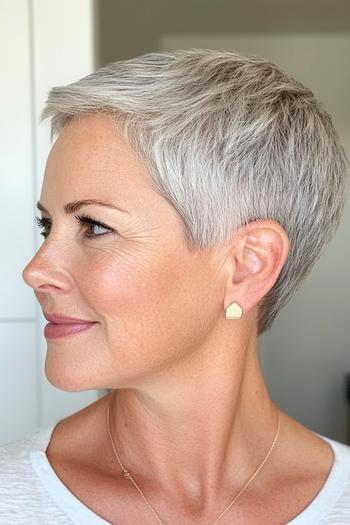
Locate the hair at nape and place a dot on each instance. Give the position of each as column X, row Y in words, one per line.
column 228, row 139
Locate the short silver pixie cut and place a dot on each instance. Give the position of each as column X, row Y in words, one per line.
column 227, row 139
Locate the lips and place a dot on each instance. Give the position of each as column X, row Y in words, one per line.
column 62, row 319
column 56, row 331
column 63, row 326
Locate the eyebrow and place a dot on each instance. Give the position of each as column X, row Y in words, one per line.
column 74, row 206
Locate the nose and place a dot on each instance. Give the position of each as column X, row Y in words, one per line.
column 45, row 272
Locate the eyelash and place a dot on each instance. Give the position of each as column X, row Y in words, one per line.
column 83, row 219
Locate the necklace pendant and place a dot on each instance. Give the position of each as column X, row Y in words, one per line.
column 126, row 473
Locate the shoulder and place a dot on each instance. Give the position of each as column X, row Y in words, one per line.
column 341, row 456
column 340, row 471
column 16, row 471
column 15, row 458
column 21, row 493
column 339, row 485
column 15, row 479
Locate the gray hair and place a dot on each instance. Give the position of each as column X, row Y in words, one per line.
column 227, row 139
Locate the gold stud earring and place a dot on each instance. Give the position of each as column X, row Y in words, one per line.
column 234, row 311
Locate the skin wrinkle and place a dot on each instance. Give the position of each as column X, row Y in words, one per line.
column 193, row 418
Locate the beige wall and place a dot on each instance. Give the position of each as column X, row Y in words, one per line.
column 129, row 28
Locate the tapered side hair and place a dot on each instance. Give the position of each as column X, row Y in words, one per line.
column 228, row 139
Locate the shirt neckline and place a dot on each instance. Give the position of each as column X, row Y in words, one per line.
column 81, row 514
column 67, row 502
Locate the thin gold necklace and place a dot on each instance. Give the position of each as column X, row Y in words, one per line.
column 127, row 474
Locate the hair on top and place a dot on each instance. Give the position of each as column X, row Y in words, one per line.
column 228, row 139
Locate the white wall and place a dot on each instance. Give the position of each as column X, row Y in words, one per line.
column 53, row 45
column 306, row 354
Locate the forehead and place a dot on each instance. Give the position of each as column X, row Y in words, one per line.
column 91, row 153
column 91, row 160
column 93, row 127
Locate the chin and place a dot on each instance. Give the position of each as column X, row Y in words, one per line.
column 67, row 377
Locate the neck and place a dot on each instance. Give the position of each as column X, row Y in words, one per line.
column 198, row 427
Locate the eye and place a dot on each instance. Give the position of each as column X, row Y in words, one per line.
column 83, row 219
column 90, row 222
column 43, row 223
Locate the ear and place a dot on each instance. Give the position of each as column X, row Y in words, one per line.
column 257, row 256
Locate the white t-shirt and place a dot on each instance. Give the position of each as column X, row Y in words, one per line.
column 31, row 493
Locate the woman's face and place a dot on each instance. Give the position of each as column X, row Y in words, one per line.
column 153, row 301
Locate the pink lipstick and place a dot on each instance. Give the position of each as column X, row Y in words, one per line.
column 54, row 331
column 62, row 326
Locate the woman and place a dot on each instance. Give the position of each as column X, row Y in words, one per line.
column 187, row 196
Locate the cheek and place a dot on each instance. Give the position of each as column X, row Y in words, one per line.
column 135, row 293
column 150, row 309
column 165, row 289
column 117, row 286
